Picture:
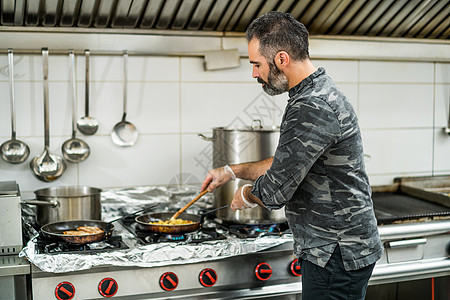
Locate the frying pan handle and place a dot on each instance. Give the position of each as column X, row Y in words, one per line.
column 133, row 214
column 52, row 203
column 109, row 226
column 202, row 215
column 215, row 209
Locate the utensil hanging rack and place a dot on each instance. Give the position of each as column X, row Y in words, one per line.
column 99, row 52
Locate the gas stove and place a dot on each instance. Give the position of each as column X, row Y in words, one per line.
column 232, row 261
column 247, row 269
column 256, row 273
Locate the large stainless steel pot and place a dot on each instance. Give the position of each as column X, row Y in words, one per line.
column 238, row 145
column 67, row 203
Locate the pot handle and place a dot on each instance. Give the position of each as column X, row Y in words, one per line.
column 214, row 209
column 52, row 203
column 257, row 124
column 205, row 138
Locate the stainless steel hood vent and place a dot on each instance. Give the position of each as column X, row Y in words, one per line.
column 383, row 18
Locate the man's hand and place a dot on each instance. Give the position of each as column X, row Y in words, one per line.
column 217, row 177
column 249, row 171
column 243, row 199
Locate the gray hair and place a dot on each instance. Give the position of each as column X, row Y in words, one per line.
column 277, row 31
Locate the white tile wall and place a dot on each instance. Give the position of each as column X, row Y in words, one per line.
column 154, row 160
column 396, row 72
column 442, row 105
column 402, row 108
column 196, row 155
column 396, row 105
column 339, row 70
column 192, row 70
column 443, row 73
column 208, row 105
column 398, row 151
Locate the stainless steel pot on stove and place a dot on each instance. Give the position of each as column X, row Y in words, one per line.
column 66, row 203
column 238, row 145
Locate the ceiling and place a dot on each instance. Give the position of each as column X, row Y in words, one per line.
column 425, row 19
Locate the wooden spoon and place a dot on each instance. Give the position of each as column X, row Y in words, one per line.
column 177, row 214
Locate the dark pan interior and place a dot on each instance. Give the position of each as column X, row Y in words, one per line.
column 146, row 218
column 59, row 227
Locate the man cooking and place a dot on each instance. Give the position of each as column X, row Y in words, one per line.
column 317, row 171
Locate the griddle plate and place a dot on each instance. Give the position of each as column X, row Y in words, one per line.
column 393, row 207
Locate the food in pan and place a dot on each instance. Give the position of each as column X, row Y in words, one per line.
column 90, row 229
column 84, row 230
column 74, row 232
column 172, row 222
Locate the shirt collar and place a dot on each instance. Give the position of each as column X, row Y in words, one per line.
column 296, row 89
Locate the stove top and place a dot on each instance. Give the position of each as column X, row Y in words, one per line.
column 252, row 230
column 212, row 229
column 395, row 207
column 207, row 232
column 47, row 246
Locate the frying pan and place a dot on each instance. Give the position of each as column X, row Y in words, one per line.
column 143, row 221
column 55, row 230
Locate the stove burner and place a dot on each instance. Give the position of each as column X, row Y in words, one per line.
column 147, row 237
column 253, row 230
column 47, row 246
column 151, row 237
column 175, row 237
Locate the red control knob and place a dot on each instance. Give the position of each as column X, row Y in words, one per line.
column 168, row 281
column 263, row 271
column 65, row 291
column 207, row 277
column 108, row 287
column 295, row 268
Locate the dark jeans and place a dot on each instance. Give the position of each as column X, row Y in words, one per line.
column 333, row 281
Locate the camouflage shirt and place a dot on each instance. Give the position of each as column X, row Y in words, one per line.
column 318, row 174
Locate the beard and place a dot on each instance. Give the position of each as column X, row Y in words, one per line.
column 277, row 82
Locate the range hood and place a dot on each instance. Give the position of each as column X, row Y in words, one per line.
column 424, row 19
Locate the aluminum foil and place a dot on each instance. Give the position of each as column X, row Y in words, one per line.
column 161, row 254
column 119, row 202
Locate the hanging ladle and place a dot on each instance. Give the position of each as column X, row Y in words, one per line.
column 124, row 133
column 87, row 125
column 447, row 129
column 74, row 150
column 13, row 151
column 47, row 167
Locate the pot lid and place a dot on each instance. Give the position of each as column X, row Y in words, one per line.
column 68, row 191
column 256, row 126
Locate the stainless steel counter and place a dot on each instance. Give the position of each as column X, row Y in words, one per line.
column 13, row 265
column 13, row 273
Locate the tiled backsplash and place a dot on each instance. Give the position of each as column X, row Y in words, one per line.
column 402, row 108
